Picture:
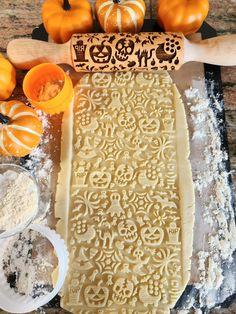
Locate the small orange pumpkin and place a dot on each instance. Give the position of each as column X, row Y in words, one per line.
column 7, row 78
column 116, row 16
column 62, row 19
column 20, row 129
column 185, row 16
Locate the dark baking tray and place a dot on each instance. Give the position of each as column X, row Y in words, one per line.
column 214, row 88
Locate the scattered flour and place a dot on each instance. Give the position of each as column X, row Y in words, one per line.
column 40, row 164
column 27, row 264
column 213, row 266
column 18, row 199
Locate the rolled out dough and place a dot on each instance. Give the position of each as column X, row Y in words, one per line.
column 125, row 195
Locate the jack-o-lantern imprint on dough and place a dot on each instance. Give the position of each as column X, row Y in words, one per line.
column 149, row 125
column 101, row 80
column 100, row 179
column 96, row 296
column 122, row 291
column 152, row 235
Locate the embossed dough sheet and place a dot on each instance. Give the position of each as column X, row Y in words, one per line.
column 131, row 200
column 192, row 75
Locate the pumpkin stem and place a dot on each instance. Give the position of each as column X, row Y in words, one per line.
column 4, row 119
column 66, row 5
column 117, row 1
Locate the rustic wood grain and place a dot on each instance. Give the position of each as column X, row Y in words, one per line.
column 19, row 18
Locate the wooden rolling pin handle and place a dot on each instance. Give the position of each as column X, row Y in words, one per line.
column 25, row 53
column 218, row 50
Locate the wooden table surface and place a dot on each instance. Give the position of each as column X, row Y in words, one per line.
column 19, row 18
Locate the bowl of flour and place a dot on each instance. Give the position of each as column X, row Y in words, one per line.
column 19, row 199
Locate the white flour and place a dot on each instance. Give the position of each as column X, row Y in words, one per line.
column 27, row 265
column 213, row 267
column 18, row 199
column 40, row 164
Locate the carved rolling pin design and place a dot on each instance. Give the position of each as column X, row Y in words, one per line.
column 124, row 52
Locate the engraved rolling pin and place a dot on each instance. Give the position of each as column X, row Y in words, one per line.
column 124, row 52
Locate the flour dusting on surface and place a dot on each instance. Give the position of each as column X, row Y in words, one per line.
column 213, row 267
column 18, row 199
column 28, row 265
column 40, row 164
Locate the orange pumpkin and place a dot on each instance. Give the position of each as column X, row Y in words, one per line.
column 116, row 16
column 7, row 78
column 20, row 129
column 64, row 18
column 185, row 16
